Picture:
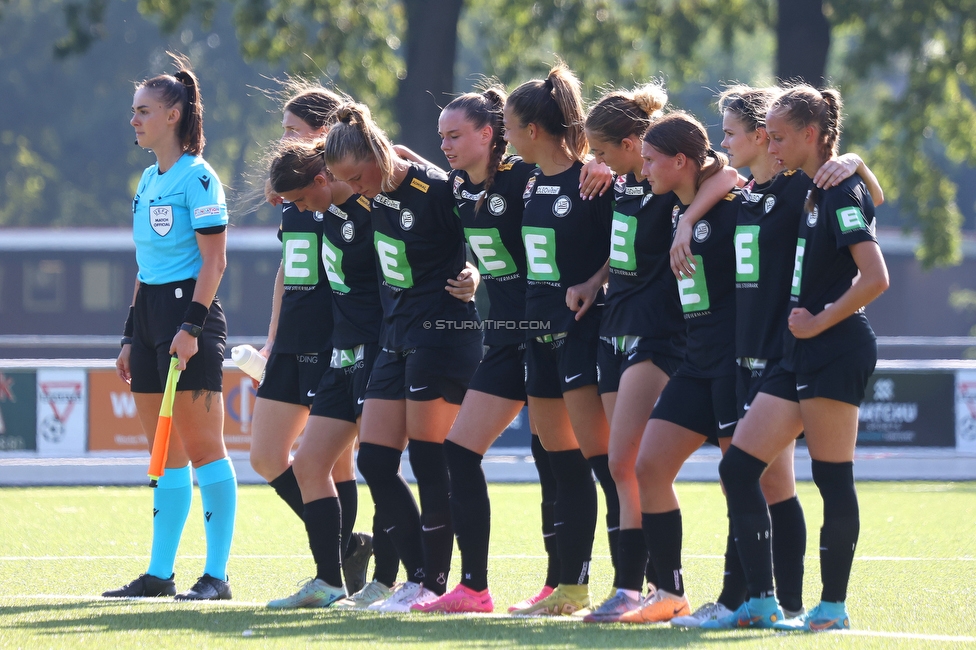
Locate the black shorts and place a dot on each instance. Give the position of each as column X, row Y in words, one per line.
column 705, row 406
column 342, row 391
column 502, row 372
column 564, row 363
column 424, row 374
column 158, row 314
column 773, row 380
column 844, row 379
column 293, row 378
column 611, row 361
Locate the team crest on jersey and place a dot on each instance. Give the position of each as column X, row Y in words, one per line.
column 768, row 203
column 318, row 216
column 702, row 231
column 528, row 187
column 161, row 219
column 496, row 205
column 675, row 213
column 620, row 185
column 457, row 186
column 812, row 217
column 348, row 231
column 562, row 206
column 406, row 219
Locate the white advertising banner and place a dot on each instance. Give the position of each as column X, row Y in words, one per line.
column 62, row 412
column 966, row 410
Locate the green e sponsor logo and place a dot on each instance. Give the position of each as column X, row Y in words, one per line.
column 332, row 261
column 392, row 256
column 298, row 258
column 693, row 291
column 540, row 253
column 487, row 246
column 623, row 230
column 851, row 218
column 801, row 245
column 746, row 253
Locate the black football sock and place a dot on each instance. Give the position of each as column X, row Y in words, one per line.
column 380, row 466
column 471, row 513
column 575, row 515
column 631, row 560
column 841, row 526
column 386, row 562
column 789, row 547
column 430, row 468
column 547, row 481
column 349, row 503
column 601, row 467
column 734, row 591
column 662, row 532
column 322, row 525
column 740, row 474
column 286, row 485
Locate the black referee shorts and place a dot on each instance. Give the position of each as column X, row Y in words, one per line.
column 158, row 314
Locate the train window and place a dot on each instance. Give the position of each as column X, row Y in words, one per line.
column 101, row 285
column 44, row 289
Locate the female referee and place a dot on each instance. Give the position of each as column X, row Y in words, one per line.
column 430, row 342
column 829, row 355
column 179, row 227
column 642, row 333
column 298, row 355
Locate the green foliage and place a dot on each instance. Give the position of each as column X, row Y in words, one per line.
column 928, row 119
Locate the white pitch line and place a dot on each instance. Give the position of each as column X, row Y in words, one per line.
column 231, row 604
column 94, row 558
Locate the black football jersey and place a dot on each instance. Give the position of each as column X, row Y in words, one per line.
column 494, row 235
column 419, row 244
column 641, row 300
column 305, row 316
column 350, row 267
column 824, row 270
column 769, row 218
column 566, row 241
column 708, row 297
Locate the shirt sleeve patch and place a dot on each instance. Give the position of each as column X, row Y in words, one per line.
column 851, row 218
column 420, row 185
column 363, row 201
column 206, row 211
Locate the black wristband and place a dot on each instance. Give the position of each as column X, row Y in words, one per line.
column 196, row 314
column 127, row 328
column 126, row 340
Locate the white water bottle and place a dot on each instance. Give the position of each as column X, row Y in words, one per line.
column 249, row 360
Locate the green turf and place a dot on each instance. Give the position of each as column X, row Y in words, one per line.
column 915, row 574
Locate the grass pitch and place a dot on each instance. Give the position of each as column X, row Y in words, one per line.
column 913, row 585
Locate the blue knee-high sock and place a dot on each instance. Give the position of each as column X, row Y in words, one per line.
column 218, row 491
column 171, row 507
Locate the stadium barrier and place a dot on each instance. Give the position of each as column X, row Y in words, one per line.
column 74, row 421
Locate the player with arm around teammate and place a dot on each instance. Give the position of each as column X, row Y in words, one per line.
column 430, row 346
column 179, row 228
column 830, row 353
column 642, row 332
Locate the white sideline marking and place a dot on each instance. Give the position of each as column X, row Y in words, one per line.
column 92, row 558
column 231, row 604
